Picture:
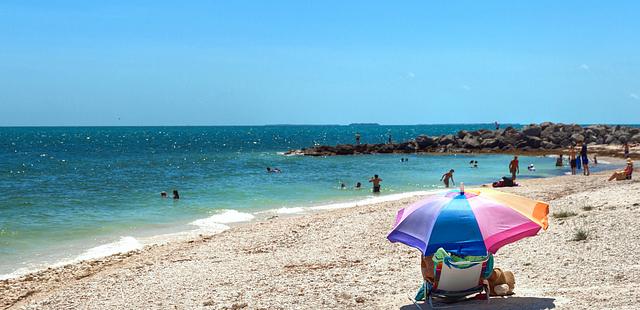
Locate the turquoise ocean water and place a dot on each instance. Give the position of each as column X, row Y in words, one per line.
column 82, row 192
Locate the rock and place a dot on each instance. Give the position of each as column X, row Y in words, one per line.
column 489, row 143
column 533, row 141
column 545, row 125
column 576, row 137
column 532, row 130
column 360, row 299
column 548, row 145
column 470, row 142
column 386, row 148
column 446, row 140
column 405, row 147
column 548, row 131
column 424, row 142
column 344, row 149
column 546, row 136
column 487, row 134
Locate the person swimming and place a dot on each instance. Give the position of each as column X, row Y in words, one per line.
column 358, row 185
column 175, row 194
column 531, row 167
column 163, row 194
column 342, row 185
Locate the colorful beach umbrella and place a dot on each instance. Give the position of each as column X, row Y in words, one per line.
column 472, row 222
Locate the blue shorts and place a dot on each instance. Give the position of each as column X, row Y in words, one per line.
column 585, row 159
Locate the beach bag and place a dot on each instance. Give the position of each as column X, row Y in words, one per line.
column 501, row 283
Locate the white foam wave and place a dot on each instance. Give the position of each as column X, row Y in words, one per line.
column 373, row 200
column 125, row 244
column 225, row 217
column 289, row 210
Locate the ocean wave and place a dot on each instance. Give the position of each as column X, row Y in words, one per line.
column 373, row 200
column 225, row 217
column 125, row 244
column 285, row 210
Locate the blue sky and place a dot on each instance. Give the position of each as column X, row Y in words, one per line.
column 318, row 62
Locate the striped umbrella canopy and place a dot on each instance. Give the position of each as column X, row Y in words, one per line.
column 472, row 222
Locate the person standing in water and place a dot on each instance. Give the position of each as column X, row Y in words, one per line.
column 514, row 167
column 626, row 150
column 585, row 159
column 357, row 138
column 446, row 177
column 376, row 183
column 175, row 194
column 572, row 159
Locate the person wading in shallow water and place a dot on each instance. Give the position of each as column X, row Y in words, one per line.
column 376, row 183
column 514, row 167
column 446, row 177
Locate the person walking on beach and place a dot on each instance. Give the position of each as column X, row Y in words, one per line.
column 585, row 159
column 357, row 138
column 376, row 183
column 572, row 160
column 446, row 177
column 514, row 167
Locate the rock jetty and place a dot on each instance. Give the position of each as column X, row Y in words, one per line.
column 541, row 138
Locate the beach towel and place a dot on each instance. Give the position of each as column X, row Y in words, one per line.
column 504, row 182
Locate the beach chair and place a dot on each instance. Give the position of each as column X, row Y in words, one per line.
column 457, row 281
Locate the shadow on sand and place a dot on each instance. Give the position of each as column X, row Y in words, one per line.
column 513, row 302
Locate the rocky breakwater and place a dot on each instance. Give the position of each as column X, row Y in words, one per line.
column 542, row 138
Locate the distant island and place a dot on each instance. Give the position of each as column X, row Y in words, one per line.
column 364, row 124
column 544, row 138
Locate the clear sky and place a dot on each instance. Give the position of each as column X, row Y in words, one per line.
column 318, row 62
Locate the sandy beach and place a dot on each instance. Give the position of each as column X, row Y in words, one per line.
column 341, row 259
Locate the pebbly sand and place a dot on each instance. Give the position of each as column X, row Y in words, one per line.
column 341, row 259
